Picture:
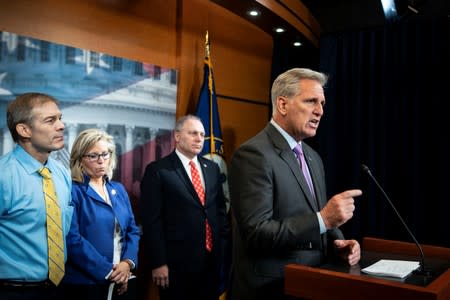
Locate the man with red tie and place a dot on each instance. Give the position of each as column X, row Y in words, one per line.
column 184, row 218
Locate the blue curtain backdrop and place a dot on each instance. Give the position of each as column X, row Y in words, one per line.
column 385, row 109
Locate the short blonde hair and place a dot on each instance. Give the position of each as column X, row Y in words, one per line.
column 83, row 143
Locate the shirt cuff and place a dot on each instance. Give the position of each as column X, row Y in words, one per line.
column 322, row 226
column 130, row 263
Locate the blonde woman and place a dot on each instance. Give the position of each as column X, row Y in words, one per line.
column 103, row 238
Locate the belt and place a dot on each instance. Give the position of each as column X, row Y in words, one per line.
column 26, row 284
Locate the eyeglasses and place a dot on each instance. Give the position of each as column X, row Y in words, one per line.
column 95, row 156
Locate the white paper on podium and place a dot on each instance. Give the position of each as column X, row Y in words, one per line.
column 392, row 268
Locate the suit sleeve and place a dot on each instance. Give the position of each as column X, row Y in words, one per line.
column 130, row 230
column 79, row 250
column 152, row 219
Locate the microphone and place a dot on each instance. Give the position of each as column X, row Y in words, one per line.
column 421, row 270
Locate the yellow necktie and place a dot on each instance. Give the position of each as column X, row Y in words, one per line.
column 54, row 229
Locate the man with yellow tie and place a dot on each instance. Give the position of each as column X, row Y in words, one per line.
column 34, row 201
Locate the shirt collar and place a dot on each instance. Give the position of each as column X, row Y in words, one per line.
column 28, row 162
column 292, row 143
column 185, row 160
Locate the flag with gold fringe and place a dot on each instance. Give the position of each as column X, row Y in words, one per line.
column 208, row 112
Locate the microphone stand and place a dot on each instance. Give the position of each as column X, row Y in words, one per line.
column 420, row 271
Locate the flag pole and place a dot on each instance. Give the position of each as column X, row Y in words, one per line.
column 212, row 140
column 207, row 44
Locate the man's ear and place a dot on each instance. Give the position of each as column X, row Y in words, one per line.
column 23, row 130
column 177, row 136
column 281, row 105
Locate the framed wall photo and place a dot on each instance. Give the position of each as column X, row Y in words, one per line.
column 133, row 101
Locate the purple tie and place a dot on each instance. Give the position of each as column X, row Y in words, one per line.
column 301, row 160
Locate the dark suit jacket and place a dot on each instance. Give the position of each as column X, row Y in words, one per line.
column 174, row 219
column 274, row 214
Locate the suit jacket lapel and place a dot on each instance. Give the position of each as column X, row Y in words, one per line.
column 288, row 156
column 90, row 190
column 184, row 177
column 313, row 170
column 206, row 177
column 93, row 194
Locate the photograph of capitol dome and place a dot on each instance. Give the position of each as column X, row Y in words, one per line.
column 133, row 101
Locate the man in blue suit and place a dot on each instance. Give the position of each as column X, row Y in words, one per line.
column 183, row 228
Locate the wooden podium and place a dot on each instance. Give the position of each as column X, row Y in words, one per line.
column 340, row 281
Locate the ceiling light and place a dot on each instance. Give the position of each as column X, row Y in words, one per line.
column 389, row 8
column 253, row 13
column 297, row 44
column 279, row 29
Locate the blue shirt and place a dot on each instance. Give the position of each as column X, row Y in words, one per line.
column 23, row 233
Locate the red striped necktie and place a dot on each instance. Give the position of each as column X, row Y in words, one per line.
column 196, row 181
